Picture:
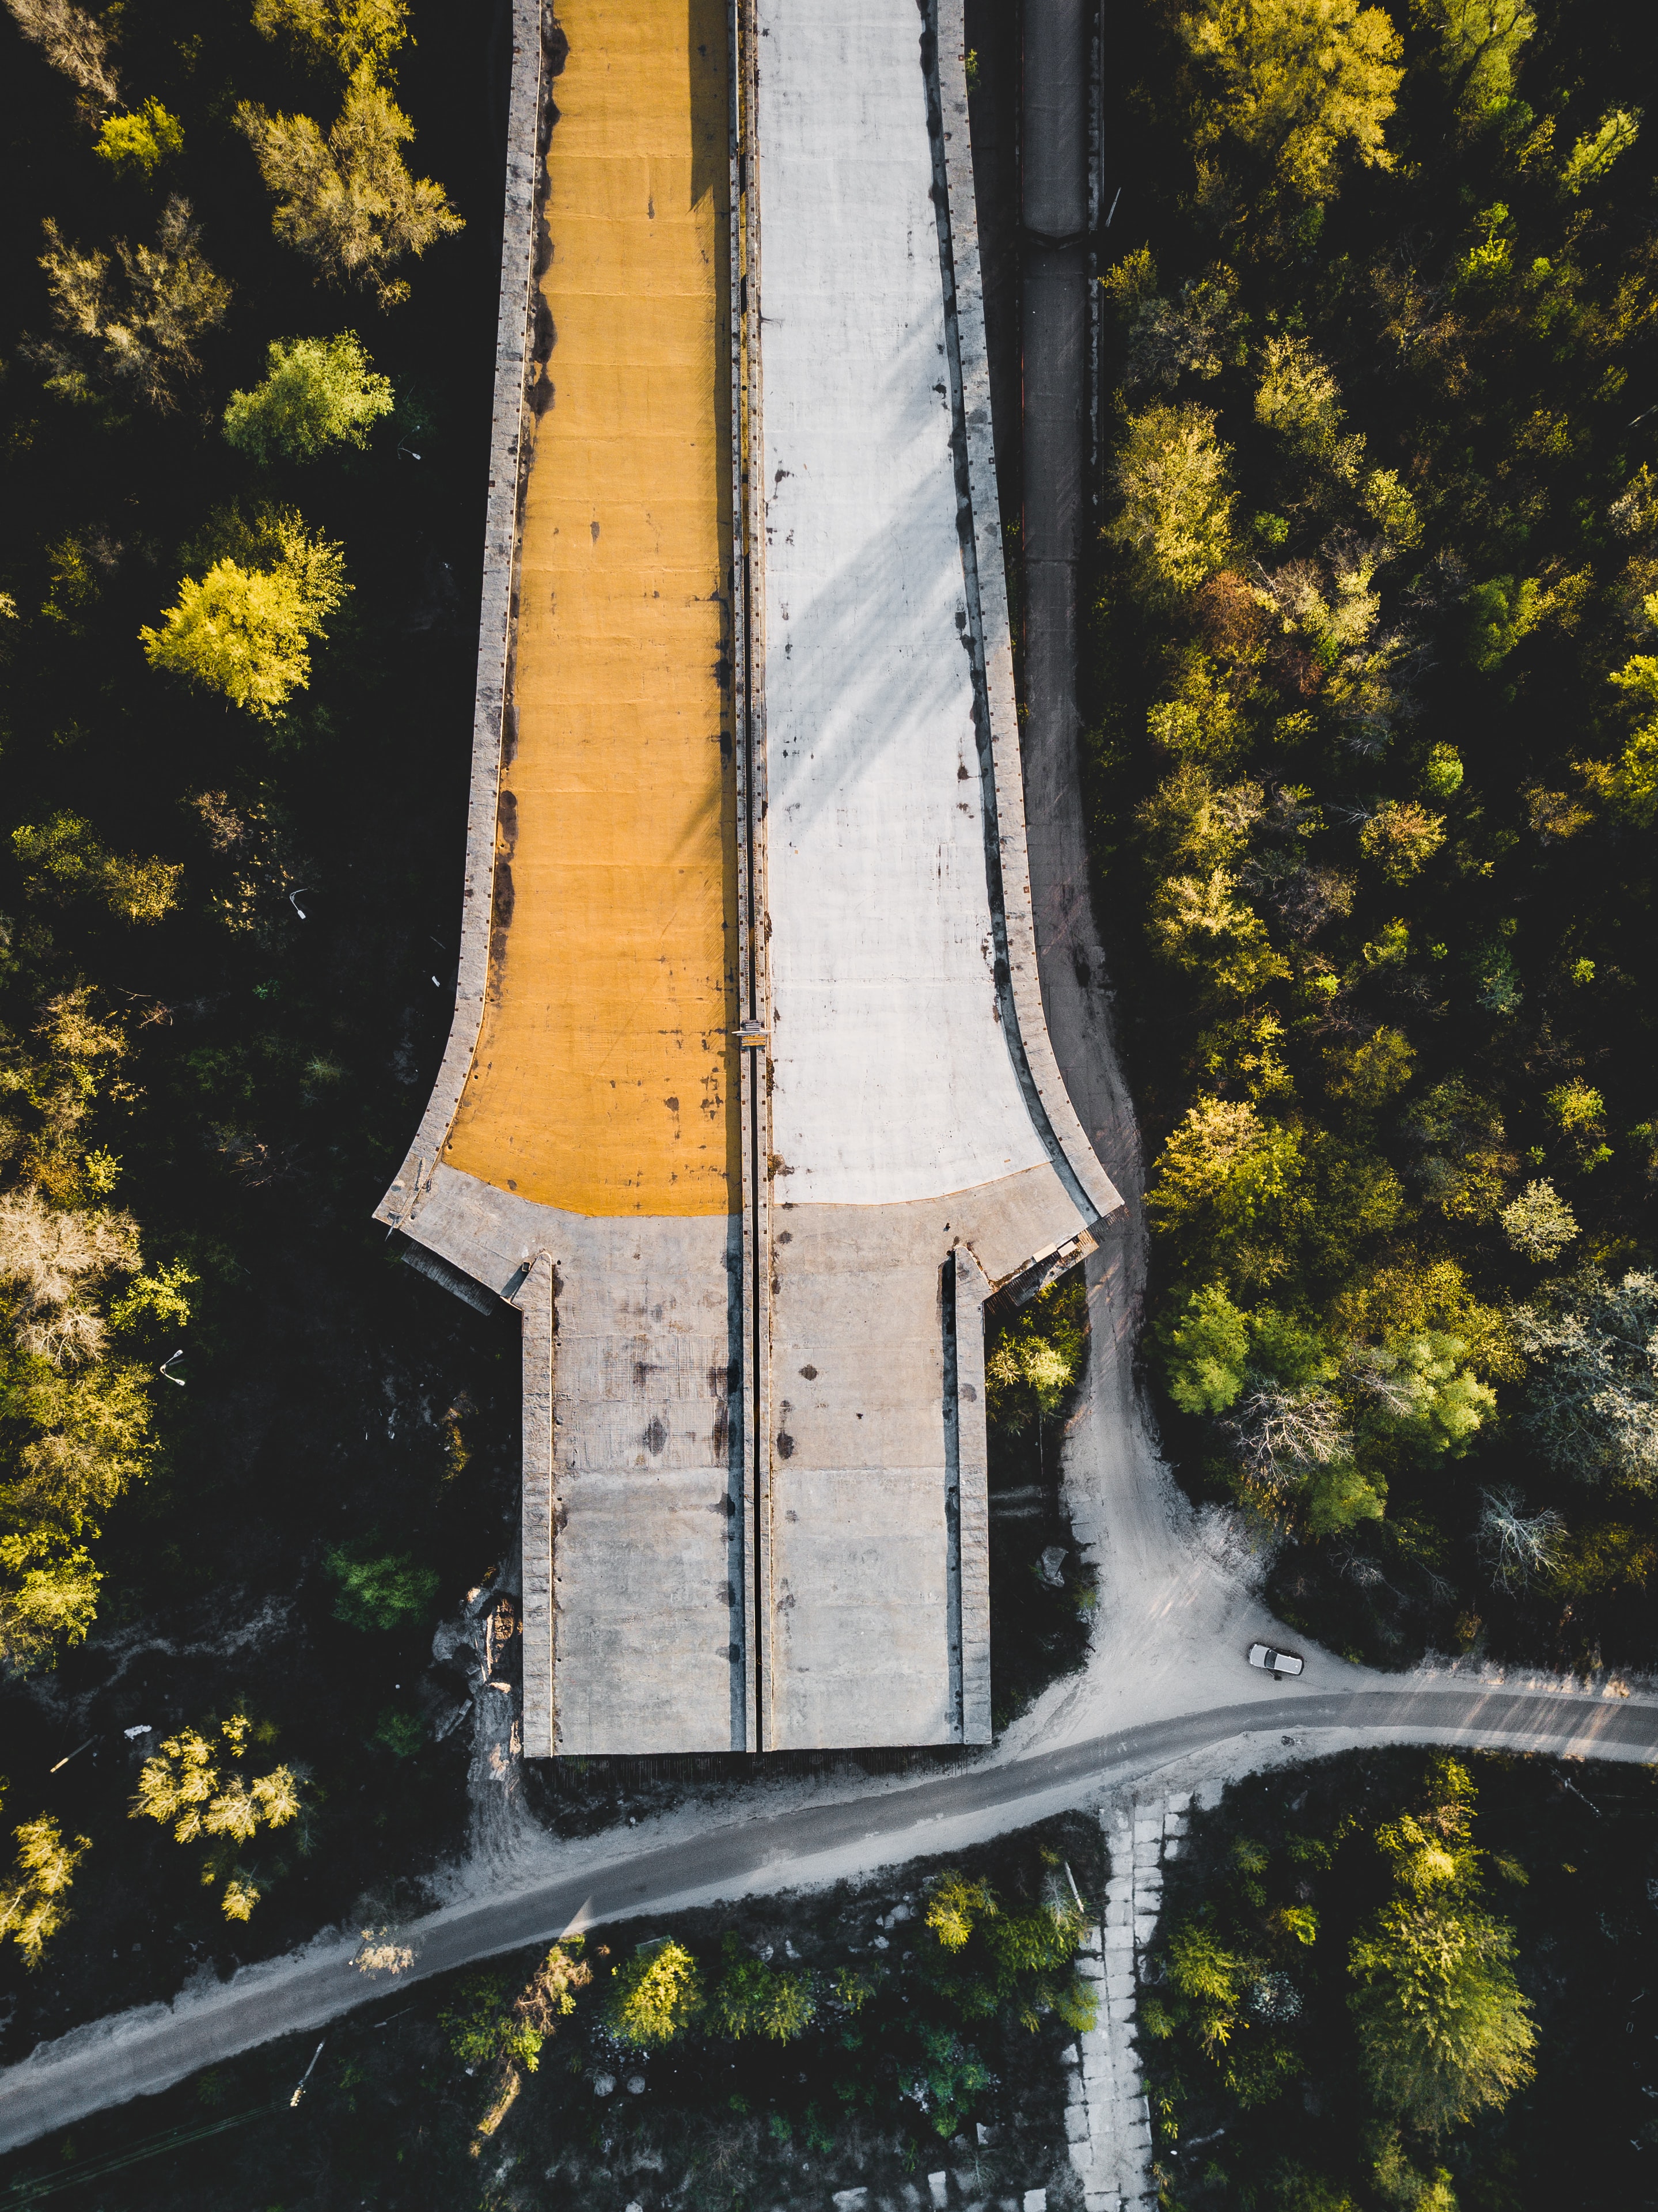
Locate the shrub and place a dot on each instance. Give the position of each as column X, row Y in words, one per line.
column 752, row 1998
column 378, row 1590
column 655, row 1997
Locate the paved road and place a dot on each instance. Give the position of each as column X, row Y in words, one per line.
column 146, row 2052
column 1054, row 204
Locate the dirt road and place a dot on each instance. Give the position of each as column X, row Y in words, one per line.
column 138, row 2054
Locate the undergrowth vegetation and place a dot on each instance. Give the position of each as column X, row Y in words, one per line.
column 765, row 2053
column 1041, row 1589
column 1372, row 770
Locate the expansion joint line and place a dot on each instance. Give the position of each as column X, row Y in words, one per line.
column 754, row 994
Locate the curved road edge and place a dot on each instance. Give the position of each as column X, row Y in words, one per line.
column 142, row 2053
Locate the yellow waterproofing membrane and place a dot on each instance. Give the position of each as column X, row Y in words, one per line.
column 605, row 1080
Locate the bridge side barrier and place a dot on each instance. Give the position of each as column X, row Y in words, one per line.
column 506, row 465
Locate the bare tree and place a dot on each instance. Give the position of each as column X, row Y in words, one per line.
column 131, row 324
column 1516, row 1548
column 1281, row 1435
column 72, row 41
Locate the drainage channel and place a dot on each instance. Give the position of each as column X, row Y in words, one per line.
column 754, row 995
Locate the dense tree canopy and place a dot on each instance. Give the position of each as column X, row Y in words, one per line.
column 1375, row 726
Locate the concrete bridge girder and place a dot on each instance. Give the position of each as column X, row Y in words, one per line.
column 752, row 1270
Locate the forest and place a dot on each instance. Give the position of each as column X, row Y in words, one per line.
column 245, row 363
column 1373, row 778
column 1409, row 1982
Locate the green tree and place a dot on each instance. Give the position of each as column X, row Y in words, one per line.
column 1227, row 1187
column 1417, row 1388
column 475, row 2023
column 655, row 1997
column 482, row 2029
column 1480, row 45
column 752, row 1998
column 347, row 201
column 949, row 2080
column 1297, row 82
column 1443, row 2029
column 1295, row 2189
column 1597, row 150
column 1208, row 1978
column 1206, row 1353
column 1033, row 1358
column 244, row 629
column 985, row 1958
column 32, row 1908
column 1502, row 611
column 376, row 1590
column 1630, row 784
column 130, row 325
column 317, row 392
column 402, row 1733
column 1174, row 518
column 136, row 145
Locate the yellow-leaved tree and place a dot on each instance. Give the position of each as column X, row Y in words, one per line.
column 346, row 33
column 32, row 1908
column 655, row 1997
column 128, row 326
column 1174, row 517
column 244, row 628
column 1297, row 82
column 347, row 200
column 201, row 1788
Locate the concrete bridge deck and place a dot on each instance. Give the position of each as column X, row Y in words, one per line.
column 754, row 763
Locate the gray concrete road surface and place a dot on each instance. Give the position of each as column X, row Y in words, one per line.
column 138, row 2054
